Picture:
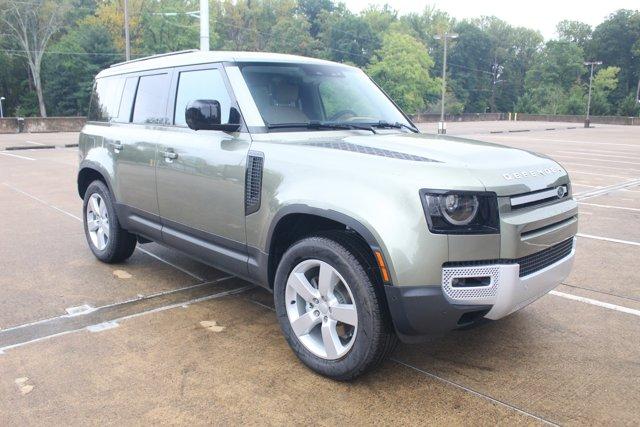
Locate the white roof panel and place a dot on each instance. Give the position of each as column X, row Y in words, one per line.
column 178, row 59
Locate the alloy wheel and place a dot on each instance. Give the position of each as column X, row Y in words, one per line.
column 98, row 221
column 321, row 309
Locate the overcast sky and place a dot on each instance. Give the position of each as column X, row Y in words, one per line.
column 542, row 15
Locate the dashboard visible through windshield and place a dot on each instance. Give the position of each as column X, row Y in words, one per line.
column 319, row 97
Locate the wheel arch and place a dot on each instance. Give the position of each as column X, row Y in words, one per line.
column 89, row 172
column 305, row 220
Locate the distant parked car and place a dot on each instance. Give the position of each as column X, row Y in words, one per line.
column 302, row 176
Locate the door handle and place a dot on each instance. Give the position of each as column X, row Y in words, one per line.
column 170, row 156
column 117, row 146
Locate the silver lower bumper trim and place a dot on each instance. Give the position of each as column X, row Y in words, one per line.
column 506, row 291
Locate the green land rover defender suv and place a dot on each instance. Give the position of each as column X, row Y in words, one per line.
column 303, row 176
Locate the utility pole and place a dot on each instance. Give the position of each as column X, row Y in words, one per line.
column 591, row 64
column 496, row 72
column 204, row 25
column 127, row 41
column 442, row 128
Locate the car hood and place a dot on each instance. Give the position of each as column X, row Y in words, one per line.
column 501, row 169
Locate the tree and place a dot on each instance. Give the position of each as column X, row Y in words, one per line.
column 575, row 32
column 31, row 25
column 291, row 35
column 557, row 68
column 470, row 69
column 347, row 37
column 604, row 83
column 401, row 66
column 80, row 55
column 616, row 42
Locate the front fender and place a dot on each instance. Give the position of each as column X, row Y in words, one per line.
column 389, row 220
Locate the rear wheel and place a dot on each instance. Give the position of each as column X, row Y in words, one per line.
column 328, row 307
column 108, row 241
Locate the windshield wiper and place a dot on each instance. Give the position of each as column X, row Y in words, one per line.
column 396, row 125
column 322, row 125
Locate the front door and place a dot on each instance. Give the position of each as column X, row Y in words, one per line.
column 201, row 175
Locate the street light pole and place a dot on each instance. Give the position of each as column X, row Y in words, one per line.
column 442, row 128
column 204, row 25
column 2, row 98
column 587, row 121
column 127, row 41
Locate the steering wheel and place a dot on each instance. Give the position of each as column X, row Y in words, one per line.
column 341, row 113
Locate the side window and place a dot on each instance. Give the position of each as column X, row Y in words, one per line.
column 201, row 84
column 151, row 99
column 126, row 103
column 105, row 99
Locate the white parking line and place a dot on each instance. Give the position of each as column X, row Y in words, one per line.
column 579, row 184
column 177, row 267
column 594, row 160
column 34, row 143
column 610, row 207
column 584, row 142
column 474, row 392
column 127, row 301
column 77, row 218
column 131, row 316
column 15, row 155
column 42, row 201
column 595, row 154
column 608, row 189
column 597, row 303
column 617, row 168
column 608, row 239
column 601, row 174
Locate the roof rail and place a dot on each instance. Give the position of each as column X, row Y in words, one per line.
column 160, row 55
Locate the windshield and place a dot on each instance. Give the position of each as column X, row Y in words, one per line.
column 320, row 96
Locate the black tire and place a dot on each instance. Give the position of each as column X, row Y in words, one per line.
column 375, row 338
column 121, row 243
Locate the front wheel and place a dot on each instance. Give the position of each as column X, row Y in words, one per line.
column 108, row 241
column 328, row 307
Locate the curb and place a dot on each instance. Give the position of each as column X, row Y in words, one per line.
column 38, row 147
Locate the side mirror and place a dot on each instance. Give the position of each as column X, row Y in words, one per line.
column 205, row 114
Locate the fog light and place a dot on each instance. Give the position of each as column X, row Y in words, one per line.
column 470, row 282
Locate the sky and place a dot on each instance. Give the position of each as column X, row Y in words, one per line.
column 542, row 15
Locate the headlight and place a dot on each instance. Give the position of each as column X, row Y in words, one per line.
column 461, row 212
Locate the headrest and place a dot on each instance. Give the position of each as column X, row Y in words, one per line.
column 285, row 93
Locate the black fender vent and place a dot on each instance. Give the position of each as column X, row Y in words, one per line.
column 253, row 182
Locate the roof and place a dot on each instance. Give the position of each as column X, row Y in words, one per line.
column 193, row 57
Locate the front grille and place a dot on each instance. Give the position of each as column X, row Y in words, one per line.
column 539, row 197
column 528, row 264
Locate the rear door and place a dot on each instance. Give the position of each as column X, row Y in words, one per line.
column 142, row 125
column 201, row 175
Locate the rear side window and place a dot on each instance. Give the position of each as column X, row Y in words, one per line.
column 126, row 102
column 105, row 99
column 201, row 84
column 151, row 99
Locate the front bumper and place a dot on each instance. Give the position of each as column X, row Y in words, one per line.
column 419, row 312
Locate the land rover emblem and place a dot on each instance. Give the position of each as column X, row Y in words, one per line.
column 561, row 192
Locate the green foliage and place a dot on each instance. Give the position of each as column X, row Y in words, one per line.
column 604, row 83
column 401, row 66
column 616, row 42
column 574, row 32
column 68, row 74
column 399, row 51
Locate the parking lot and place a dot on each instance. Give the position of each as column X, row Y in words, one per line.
column 165, row 339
